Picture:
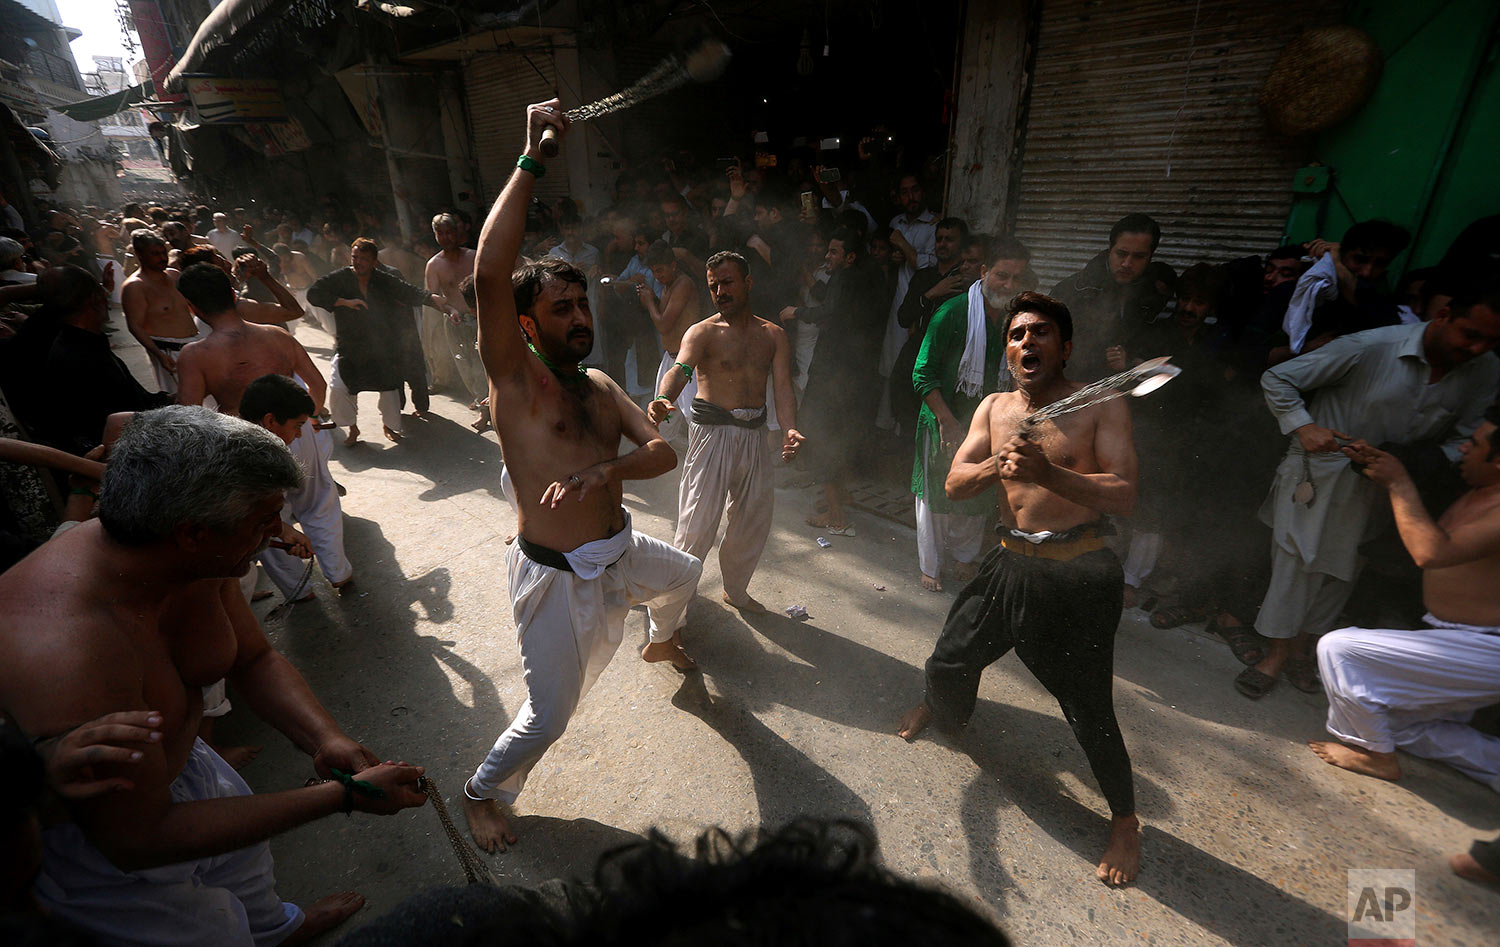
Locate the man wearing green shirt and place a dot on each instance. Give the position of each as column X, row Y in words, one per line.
column 962, row 360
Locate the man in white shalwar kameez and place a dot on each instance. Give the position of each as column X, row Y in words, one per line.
column 1399, row 385
column 731, row 354
column 1417, row 690
column 577, row 566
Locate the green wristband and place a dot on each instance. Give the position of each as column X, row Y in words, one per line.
column 662, row 398
column 528, row 163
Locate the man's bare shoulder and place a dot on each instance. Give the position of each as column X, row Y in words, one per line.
column 771, row 329
column 59, row 648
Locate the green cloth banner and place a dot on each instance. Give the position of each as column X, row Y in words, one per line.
column 91, row 110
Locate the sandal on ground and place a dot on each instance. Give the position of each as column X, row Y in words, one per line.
column 841, row 530
column 1170, row 616
column 1254, row 684
column 1302, row 673
column 1246, row 644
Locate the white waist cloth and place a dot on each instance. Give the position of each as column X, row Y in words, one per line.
column 591, row 559
column 225, row 899
column 1433, row 621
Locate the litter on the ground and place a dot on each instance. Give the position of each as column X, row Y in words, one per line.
column 879, row 588
column 823, row 542
column 796, row 611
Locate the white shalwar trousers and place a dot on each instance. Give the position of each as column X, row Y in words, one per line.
column 569, row 628
column 344, row 404
column 957, row 534
column 728, row 469
column 165, row 380
column 315, row 508
column 227, row 899
column 1416, row 690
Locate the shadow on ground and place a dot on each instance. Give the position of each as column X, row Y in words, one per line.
column 1206, row 891
column 449, row 455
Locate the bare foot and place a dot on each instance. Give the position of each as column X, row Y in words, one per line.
column 1122, row 859
column 930, row 583
column 393, row 436
column 915, row 721
column 1358, row 759
column 1464, row 866
column 419, row 415
column 481, row 423
column 325, row 914
column 821, row 521
column 963, row 571
column 669, row 650
column 261, row 596
column 352, row 437
column 489, row 823
column 344, row 584
column 747, row 604
column 1132, row 595
column 238, row 756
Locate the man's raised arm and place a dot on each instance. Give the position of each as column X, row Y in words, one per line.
column 500, row 343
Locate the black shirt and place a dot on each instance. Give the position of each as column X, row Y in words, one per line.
column 83, row 384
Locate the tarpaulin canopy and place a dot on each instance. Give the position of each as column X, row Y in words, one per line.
column 103, row 106
column 217, row 28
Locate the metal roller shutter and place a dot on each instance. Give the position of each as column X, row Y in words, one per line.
column 499, row 86
column 1132, row 109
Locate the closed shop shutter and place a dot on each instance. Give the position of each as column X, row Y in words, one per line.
column 498, row 87
column 1135, row 110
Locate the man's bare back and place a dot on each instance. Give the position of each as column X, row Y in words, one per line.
column 227, row 361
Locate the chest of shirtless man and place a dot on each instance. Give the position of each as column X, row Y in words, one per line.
column 447, row 269
column 128, row 628
column 152, row 304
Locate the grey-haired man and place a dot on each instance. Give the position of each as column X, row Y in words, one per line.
column 137, row 610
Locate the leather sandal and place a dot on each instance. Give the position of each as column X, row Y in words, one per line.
column 1254, row 684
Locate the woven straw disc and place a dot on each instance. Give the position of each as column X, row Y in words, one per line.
column 1321, row 78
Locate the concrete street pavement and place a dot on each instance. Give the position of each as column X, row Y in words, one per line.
column 1248, row 836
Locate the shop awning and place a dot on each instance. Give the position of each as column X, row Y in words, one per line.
column 218, row 28
column 103, row 106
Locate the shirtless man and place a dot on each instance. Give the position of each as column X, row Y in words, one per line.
column 236, row 352
column 677, row 308
column 455, row 337
column 136, row 611
column 222, row 365
column 576, row 567
column 1417, row 689
column 250, row 267
column 155, row 311
column 732, row 352
column 1052, row 590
